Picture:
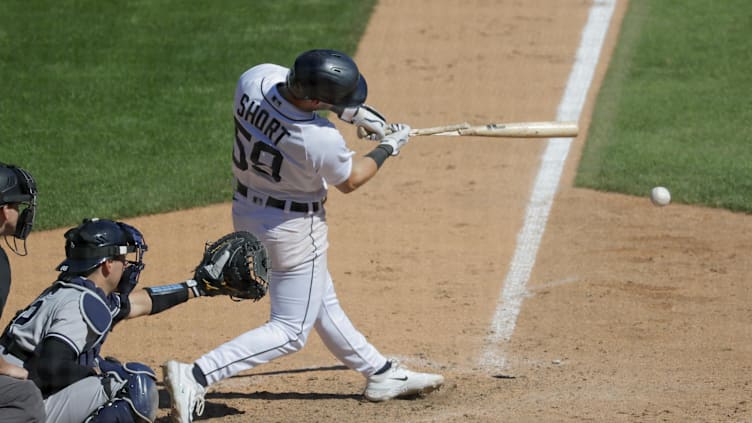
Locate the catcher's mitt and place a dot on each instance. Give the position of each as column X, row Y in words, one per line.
column 236, row 265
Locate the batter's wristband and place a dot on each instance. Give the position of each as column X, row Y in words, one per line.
column 380, row 154
column 167, row 296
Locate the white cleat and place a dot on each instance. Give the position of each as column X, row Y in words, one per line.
column 400, row 382
column 185, row 393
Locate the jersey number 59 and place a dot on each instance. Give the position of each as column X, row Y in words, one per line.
column 264, row 158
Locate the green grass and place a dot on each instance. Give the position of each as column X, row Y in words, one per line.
column 122, row 109
column 674, row 109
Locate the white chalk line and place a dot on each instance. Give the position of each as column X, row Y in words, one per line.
column 544, row 189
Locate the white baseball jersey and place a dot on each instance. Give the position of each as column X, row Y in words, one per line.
column 280, row 150
column 290, row 155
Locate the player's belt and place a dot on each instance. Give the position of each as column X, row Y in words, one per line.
column 11, row 347
column 280, row 204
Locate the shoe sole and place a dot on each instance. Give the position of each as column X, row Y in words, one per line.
column 408, row 393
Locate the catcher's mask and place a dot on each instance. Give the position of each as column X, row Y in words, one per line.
column 17, row 186
column 95, row 240
column 329, row 76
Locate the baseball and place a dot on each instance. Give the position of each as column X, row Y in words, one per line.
column 660, row 196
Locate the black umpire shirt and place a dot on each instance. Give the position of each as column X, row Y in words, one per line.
column 4, row 279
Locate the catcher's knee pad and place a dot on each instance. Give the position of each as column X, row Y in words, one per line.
column 137, row 399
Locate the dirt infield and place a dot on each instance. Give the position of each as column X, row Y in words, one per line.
column 633, row 312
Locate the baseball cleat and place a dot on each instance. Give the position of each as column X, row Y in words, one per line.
column 186, row 394
column 400, row 382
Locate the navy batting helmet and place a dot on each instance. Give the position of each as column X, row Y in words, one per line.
column 95, row 240
column 329, row 76
column 17, row 186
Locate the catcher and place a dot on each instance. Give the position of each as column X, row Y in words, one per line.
column 58, row 337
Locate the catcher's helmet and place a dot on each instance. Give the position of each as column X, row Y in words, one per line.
column 95, row 240
column 17, row 186
column 329, row 76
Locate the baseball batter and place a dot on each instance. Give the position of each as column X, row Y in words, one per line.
column 58, row 337
column 285, row 157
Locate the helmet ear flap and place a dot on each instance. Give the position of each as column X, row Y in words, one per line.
column 293, row 86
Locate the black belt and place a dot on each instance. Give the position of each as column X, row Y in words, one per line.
column 11, row 347
column 280, row 204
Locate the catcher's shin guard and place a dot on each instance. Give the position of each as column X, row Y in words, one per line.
column 136, row 401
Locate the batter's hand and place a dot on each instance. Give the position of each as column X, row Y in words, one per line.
column 371, row 124
column 399, row 135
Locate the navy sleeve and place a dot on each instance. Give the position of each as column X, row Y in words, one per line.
column 55, row 367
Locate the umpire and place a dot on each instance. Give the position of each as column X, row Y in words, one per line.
column 20, row 399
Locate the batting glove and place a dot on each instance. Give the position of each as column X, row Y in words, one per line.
column 399, row 135
column 371, row 124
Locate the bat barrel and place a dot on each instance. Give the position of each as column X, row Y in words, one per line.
column 508, row 130
column 524, row 130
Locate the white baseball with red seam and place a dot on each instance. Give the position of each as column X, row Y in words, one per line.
column 660, row 196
